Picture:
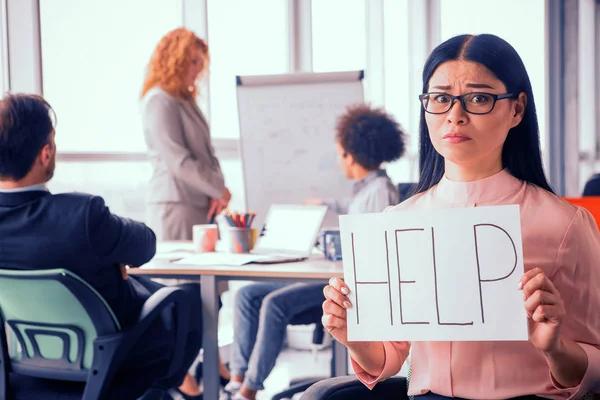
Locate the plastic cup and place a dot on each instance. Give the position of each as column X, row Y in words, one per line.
column 239, row 240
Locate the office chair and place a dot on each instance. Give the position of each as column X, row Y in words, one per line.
column 350, row 388
column 61, row 329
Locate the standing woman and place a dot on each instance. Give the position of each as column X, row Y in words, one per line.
column 187, row 186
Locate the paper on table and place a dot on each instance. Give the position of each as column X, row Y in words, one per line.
column 212, row 259
column 435, row 275
column 166, row 247
column 173, row 255
column 172, row 251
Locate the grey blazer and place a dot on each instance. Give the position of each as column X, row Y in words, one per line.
column 185, row 169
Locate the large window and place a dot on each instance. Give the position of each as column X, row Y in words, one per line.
column 338, row 35
column 588, row 78
column 94, row 58
column 500, row 17
column 245, row 38
column 94, row 54
column 123, row 184
column 400, row 99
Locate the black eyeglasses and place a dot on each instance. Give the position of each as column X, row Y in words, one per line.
column 473, row 103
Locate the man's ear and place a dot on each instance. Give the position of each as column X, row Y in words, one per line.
column 46, row 154
column 519, row 109
column 350, row 159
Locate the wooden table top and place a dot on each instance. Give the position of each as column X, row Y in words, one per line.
column 316, row 267
column 310, row 269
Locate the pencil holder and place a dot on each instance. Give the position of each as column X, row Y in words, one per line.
column 239, row 240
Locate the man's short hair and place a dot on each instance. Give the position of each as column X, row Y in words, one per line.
column 26, row 124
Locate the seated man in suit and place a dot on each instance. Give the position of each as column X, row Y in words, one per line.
column 77, row 232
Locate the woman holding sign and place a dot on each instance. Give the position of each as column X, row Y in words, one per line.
column 479, row 146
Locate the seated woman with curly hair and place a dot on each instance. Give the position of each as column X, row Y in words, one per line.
column 366, row 138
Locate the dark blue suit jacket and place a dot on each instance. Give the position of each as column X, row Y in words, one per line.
column 77, row 232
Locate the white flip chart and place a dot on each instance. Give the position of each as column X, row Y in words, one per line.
column 435, row 275
column 287, row 137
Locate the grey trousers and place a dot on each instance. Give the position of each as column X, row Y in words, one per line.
column 174, row 221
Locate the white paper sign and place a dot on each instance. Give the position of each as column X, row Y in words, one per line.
column 435, row 275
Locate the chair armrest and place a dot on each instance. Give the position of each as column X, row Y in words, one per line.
column 152, row 308
column 349, row 387
column 326, row 387
column 299, row 387
column 162, row 298
column 110, row 350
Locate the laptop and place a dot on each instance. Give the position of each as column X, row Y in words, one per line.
column 289, row 233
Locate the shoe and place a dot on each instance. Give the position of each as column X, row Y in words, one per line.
column 198, row 375
column 226, row 396
column 224, row 381
column 230, row 390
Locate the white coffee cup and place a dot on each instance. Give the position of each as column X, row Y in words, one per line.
column 205, row 237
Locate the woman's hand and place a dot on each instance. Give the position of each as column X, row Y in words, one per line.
column 214, row 208
column 334, row 309
column 545, row 310
column 225, row 198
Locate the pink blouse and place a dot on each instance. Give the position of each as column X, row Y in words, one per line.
column 562, row 240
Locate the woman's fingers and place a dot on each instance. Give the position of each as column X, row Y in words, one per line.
column 213, row 210
column 535, row 279
column 331, row 321
column 329, row 307
column 339, row 285
column 538, row 298
column 547, row 312
column 333, row 294
column 528, row 275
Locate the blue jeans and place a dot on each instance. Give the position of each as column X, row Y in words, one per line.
column 262, row 313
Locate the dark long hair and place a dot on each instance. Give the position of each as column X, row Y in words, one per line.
column 521, row 154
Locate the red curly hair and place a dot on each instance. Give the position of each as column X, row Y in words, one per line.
column 170, row 62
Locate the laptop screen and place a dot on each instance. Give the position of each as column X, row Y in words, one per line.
column 291, row 229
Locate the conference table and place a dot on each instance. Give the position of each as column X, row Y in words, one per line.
column 171, row 264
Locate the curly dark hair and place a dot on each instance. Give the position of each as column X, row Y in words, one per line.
column 370, row 135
